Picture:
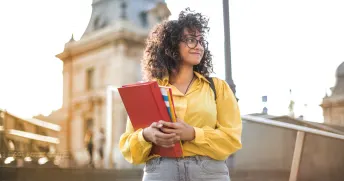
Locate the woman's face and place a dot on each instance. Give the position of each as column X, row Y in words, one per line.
column 192, row 47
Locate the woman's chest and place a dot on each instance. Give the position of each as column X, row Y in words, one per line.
column 197, row 109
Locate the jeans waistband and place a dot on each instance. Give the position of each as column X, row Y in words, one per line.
column 188, row 158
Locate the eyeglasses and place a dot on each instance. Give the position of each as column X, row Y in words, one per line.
column 193, row 42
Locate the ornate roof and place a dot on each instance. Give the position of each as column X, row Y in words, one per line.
column 108, row 12
column 339, row 87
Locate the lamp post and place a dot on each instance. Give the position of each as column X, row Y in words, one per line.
column 227, row 46
column 228, row 63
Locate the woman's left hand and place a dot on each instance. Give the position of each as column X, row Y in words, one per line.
column 183, row 130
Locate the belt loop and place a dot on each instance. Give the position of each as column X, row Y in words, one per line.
column 198, row 160
column 158, row 160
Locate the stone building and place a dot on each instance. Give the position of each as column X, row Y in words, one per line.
column 108, row 53
column 333, row 105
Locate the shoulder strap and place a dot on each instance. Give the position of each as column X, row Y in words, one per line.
column 212, row 85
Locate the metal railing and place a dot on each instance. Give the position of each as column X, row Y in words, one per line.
column 301, row 131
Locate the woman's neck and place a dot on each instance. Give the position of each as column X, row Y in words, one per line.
column 184, row 76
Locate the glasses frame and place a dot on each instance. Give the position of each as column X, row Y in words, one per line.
column 202, row 42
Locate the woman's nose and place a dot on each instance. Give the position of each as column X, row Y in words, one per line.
column 199, row 46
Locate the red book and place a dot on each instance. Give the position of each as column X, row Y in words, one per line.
column 144, row 104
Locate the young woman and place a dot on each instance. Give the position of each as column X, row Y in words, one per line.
column 177, row 55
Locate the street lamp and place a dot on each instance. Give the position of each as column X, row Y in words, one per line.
column 227, row 46
column 228, row 62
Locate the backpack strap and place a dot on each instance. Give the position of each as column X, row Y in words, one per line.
column 212, row 85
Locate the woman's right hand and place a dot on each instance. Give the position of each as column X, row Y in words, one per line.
column 153, row 134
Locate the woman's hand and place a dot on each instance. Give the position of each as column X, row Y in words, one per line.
column 153, row 134
column 180, row 128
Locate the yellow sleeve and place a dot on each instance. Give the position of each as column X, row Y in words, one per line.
column 225, row 139
column 133, row 146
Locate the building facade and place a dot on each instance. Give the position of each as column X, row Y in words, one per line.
column 333, row 105
column 108, row 54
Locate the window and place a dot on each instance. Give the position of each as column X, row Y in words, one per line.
column 90, row 79
column 143, row 17
column 88, row 125
column 123, row 9
column 96, row 23
column 99, row 23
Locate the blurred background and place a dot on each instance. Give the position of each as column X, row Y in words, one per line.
column 62, row 61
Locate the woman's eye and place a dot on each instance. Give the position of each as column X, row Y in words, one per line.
column 191, row 41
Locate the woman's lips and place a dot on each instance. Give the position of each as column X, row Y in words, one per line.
column 195, row 53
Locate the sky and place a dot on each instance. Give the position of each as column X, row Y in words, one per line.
column 276, row 45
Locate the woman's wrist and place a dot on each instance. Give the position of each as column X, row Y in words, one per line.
column 192, row 133
column 145, row 135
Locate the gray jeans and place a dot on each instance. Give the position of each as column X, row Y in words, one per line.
column 198, row 168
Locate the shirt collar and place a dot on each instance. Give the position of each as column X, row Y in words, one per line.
column 201, row 77
column 165, row 80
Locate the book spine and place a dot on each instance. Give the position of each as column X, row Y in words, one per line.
column 160, row 101
column 173, row 113
column 174, row 110
column 164, row 92
column 178, row 149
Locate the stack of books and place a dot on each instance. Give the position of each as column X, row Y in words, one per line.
column 146, row 103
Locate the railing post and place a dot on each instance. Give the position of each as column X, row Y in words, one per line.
column 297, row 155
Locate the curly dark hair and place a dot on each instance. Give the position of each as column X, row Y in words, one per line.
column 161, row 56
